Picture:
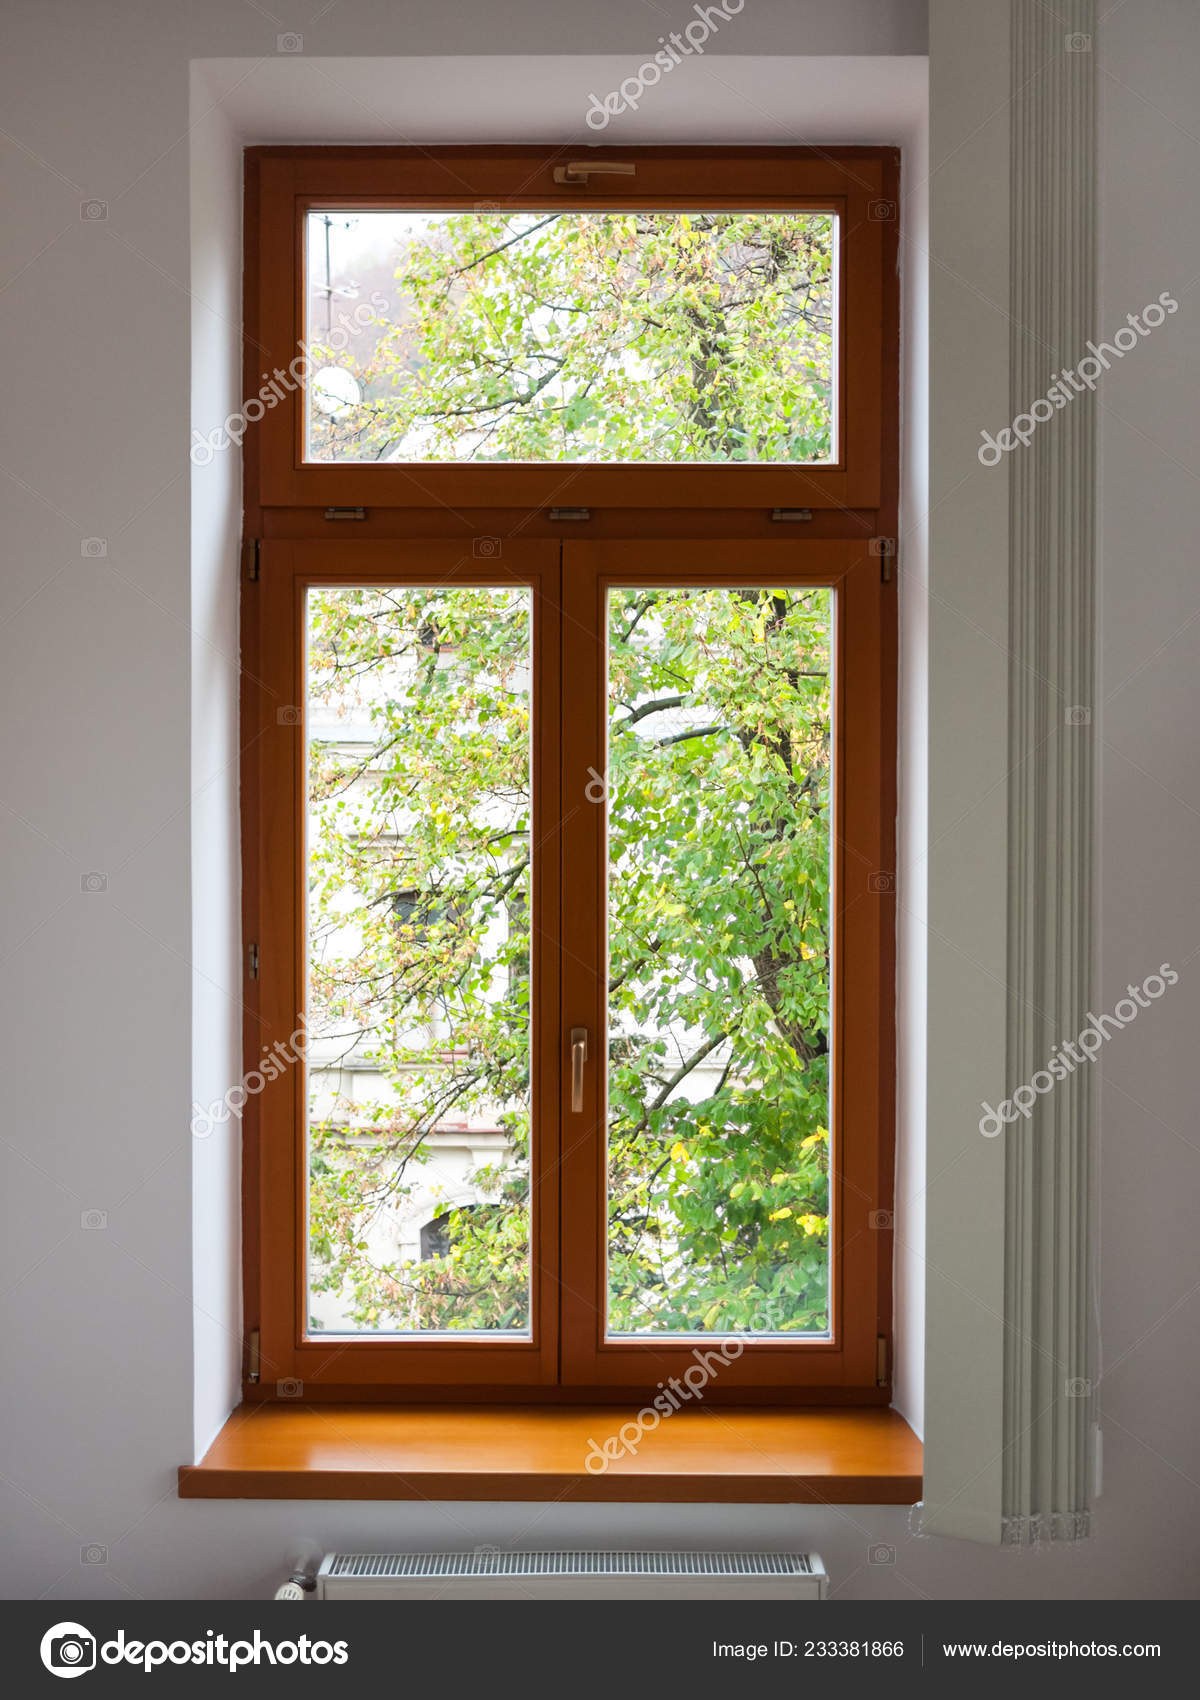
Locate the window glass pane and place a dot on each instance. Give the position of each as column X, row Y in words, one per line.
column 719, row 788
column 571, row 336
column 418, row 854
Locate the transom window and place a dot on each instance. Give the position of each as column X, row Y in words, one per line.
column 571, row 336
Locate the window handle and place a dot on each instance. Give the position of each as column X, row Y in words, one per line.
column 579, row 1051
column 579, row 170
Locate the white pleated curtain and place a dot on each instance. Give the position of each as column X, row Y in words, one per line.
column 1010, row 1401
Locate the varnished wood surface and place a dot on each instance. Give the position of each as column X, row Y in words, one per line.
column 766, row 1456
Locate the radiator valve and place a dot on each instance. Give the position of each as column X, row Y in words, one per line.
column 296, row 1587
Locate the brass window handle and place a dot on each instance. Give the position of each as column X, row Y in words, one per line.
column 579, row 1052
column 579, row 170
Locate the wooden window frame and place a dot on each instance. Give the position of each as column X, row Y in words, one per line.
column 849, row 1359
column 850, row 182
column 276, row 849
column 419, row 526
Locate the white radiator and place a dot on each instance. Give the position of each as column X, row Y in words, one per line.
column 490, row 1575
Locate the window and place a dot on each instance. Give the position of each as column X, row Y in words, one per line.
column 568, row 839
column 438, row 1236
column 595, row 335
column 720, row 731
column 622, row 327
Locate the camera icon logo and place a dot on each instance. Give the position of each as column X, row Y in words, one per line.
column 485, row 548
column 880, row 1553
column 68, row 1649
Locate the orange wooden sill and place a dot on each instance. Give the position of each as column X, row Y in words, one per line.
column 760, row 1455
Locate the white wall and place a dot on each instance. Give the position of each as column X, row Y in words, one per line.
column 96, row 662
column 1149, row 438
column 912, row 834
column 103, row 671
column 557, row 27
column 217, row 968
column 966, row 932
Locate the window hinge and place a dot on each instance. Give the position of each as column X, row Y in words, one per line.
column 882, row 1367
column 885, row 548
column 345, row 513
column 791, row 516
column 570, row 513
column 252, row 961
column 250, row 558
column 253, row 1355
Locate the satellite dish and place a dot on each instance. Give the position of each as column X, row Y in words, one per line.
column 335, row 391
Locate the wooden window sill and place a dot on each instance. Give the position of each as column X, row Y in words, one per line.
column 503, row 1452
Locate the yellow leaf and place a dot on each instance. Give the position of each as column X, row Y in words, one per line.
column 813, row 1225
column 679, row 1151
column 779, row 1215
